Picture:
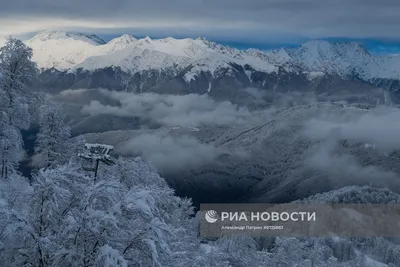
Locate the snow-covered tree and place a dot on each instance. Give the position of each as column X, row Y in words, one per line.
column 16, row 66
column 109, row 257
column 51, row 146
column 16, row 70
column 241, row 251
column 129, row 216
column 15, row 230
column 162, row 235
column 11, row 149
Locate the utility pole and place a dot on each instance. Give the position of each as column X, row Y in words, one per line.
column 93, row 154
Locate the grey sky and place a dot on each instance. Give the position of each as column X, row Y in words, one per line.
column 230, row 19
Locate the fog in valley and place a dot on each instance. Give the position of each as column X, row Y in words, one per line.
column 278, row 148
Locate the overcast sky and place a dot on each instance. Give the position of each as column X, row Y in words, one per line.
column 236, row 21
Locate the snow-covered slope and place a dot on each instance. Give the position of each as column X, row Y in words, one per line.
column 70, row 51
column 61, row 50
column 345, row 58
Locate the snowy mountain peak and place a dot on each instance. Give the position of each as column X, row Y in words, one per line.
column 342, row 58
column 61, row 35
column 168, row 39
column 47, row 35
column 62, row 50
column 326, row 48
column 201, row 38
column 209, row 43
column 124, row 39
column 283, row 53
column 147, row 39
column 315, row 48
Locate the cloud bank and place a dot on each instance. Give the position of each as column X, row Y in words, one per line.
column 173, row 110
column 171, row 154
column 380, row 127
column 376, row 130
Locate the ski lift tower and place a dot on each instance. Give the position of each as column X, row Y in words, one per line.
column 93, row 154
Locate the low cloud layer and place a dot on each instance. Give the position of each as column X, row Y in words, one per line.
column 172, row 110
column 346, row 169
column 369, row 132
column 171, row 154
column 380, row 128
column 376, row 131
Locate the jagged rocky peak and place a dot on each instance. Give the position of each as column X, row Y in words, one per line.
column 284, row 53
column 48, row 34
column 62, row 35
column 201, row 38
column 325, row 48
column 353, row 49
column 144, row 41
column 124, row 39
column 222, row 49
column 168, row 39
column 147, row 39
column 315, row 48
column 349, row 45
column 278, row 55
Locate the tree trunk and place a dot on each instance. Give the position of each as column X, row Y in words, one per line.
column 3, row 168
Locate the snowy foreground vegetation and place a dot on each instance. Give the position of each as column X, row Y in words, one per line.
column 129, row 216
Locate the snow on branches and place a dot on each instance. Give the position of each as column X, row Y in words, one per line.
column 17, row 69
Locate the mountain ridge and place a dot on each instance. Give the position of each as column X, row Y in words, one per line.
column 181, row 66
column 55, row 34
column 313, row 56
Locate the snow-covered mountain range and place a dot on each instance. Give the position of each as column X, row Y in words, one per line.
column 71, row 51
column 199, row 65
column 65, row 51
